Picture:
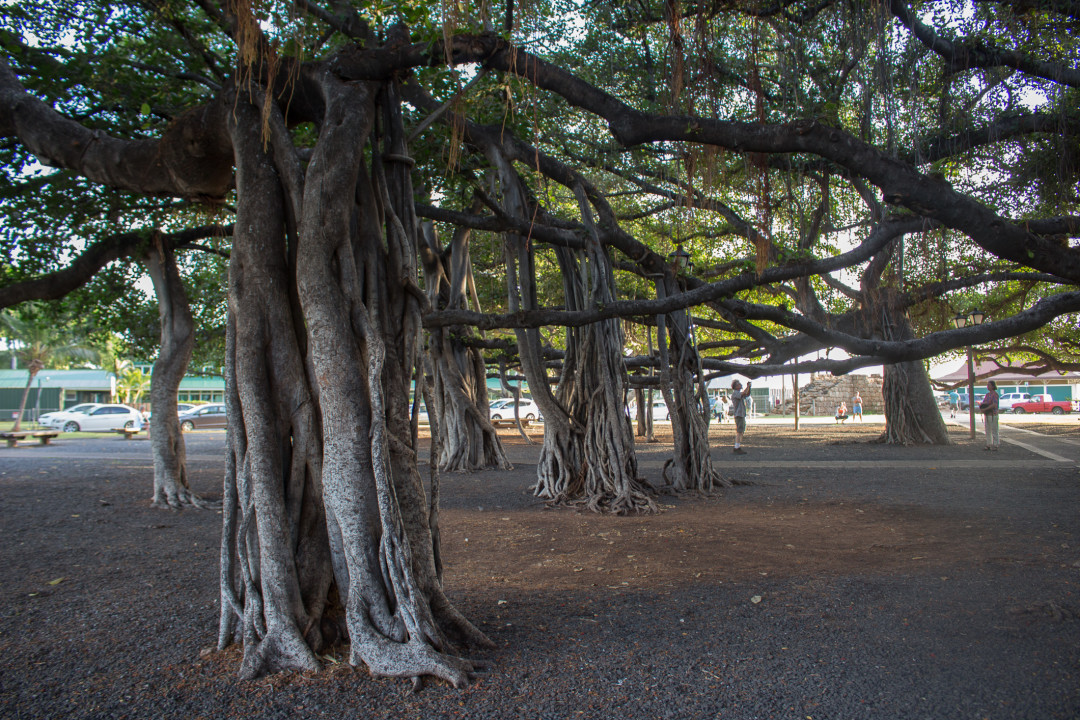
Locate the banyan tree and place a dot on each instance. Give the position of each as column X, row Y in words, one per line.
column 799, row 149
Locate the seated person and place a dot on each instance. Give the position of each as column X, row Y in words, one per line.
column 841, row 412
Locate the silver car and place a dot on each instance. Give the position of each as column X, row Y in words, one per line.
column 203, row 416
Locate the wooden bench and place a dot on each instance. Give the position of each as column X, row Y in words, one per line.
column 42, row 436
column 128, row 433
column 509, row 423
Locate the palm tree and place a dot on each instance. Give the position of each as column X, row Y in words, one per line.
column 38, row 343
column 131, row 384
column 110, row 352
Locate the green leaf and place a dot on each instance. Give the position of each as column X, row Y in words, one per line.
column 145, row 108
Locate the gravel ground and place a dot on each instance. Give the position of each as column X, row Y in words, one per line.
column 851, row 580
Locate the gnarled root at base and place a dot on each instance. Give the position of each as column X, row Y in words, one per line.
column 717, row 481
column 183, row 499
column 412, row 659
column 279, row 650
column 454, row 625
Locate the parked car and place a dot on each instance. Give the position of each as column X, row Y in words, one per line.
column 99, row 418
column 659, row 410
column 1041, row 404
column 1006, row 400
column 181, row 408
column 503, row 409
column 964, row 400
column 57, row 418
column 202, row 417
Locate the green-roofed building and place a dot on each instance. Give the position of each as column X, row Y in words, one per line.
column 57, row 389
column 53, row 390
column 201, row 388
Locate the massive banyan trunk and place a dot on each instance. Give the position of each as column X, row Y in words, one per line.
column 912, row 416
column 562, row 457
column 588, row 453
column 276, row 575
column 594, row 385
column 467, row 440
column 326, row 528
column 171, row 487
column 690, row 467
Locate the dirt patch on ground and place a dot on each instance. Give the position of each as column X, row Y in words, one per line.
column 705, row 542
column 792, row 532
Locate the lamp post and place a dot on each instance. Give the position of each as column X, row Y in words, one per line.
column 680, row 259
column 975, row 317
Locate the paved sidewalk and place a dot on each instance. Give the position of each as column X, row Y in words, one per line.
column 1052, row 447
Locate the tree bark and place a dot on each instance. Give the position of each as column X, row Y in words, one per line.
column 561, row 466
column 467, row 440
column 171, row 486
column 912, row 416
column 690, row 468
column 611, row 478
column 588, row 453
column 356, row 278
column 34, row 368
column 276, row 571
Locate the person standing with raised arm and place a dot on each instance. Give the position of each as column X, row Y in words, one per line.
column 989, row 408
column 738, row 412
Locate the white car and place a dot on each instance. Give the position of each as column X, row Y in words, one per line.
column 659, row 411
column 1006, row 400
column 57, row 418
column 101, row 418
column 503, row 409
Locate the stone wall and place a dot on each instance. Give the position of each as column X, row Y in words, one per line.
column 826, row 392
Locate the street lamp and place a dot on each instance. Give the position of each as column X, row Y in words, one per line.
column 975, row 317
column 680, row 259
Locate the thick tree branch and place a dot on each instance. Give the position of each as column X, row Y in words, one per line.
column 939, row 288
column 937, row 147
column 964, row 56
column 900, row 183
column 503, row 223
column 192, row 159
column 57, row 284
column 698, row 296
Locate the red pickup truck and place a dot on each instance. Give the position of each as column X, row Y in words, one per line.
column 1041, row 404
